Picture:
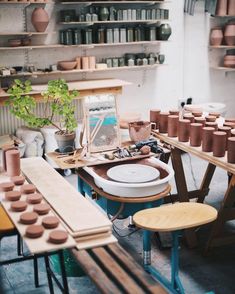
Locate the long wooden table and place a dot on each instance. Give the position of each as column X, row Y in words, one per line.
column 226, row 211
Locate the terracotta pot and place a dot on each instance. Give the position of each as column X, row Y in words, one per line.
column 92, row 62
column 216, row 36
column 183, row 130
column 127, row 117
column 13, row 162
column 197, row 114
column 85, row 62
column 67, row 65
column 40, row 19
column 139, row 130
column 163, row 122
column 231, row 7
column 200, row 120
column 174, row 112
column 229, row 34
column 230, row 119
column 227, row 130
column 195, row 134
column 4, row 150
column 221, row 8
column 189, row 116
column 210, row 118
column 229, row 124
column 173, row 125
column 216, row 114
column 219, row 144
column 231, row 150
column 65, row 142
column 207, row 139
column 212, row 124
column 154, row 116
column 229, row 62
column 233, row 133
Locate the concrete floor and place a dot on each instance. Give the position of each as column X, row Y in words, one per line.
column 199, row 273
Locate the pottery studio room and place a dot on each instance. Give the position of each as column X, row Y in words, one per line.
column 117, row 146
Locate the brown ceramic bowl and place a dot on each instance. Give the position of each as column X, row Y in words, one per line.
column 67, row 65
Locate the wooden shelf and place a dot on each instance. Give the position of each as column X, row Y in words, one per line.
column 26, row 2
column 23, row 33
column 32, row 47
column 222, row 47
column 113, row 2
column 222, row 68
column 221, row 16
column 112, row 21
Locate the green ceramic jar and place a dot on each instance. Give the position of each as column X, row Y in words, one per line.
column 164, row 32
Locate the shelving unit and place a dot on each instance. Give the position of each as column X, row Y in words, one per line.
column 113, row 2
column 222, row 68
column 26, row 2
column 151, row 21
column 222, row 47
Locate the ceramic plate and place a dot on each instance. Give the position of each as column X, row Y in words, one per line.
column 133, row 173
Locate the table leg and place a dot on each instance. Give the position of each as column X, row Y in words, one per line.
column 204, row 188
column 80, row 185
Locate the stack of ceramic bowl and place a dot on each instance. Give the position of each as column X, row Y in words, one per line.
column 229, row 58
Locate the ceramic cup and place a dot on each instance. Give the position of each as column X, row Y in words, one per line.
column 231, row 150
column 154, row 116
column 195, row 134
column 212, row 124
column 207, row 139
column 227, row 130
column 219, row 143
column 183, row 130
column 139, row 130
column 200, row 120
column 163, row 122
column 173, row 125
column 13, row 163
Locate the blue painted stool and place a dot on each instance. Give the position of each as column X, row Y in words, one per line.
column 171, row 218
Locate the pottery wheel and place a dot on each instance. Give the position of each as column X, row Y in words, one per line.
column 133, row 173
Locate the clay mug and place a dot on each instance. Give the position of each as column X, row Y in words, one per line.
column 139, row 130
column 207, row 139
column 163, row 122
column 219, row 143
column 173, row 125
column 195, row 134
column 183, row 130
column 231, row 150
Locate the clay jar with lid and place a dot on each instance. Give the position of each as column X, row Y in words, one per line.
column 231, row 150
column 207, row 139
column 229, row 34
column 195, row 134
column 227, row 130
column 219, row 143
column 183, row 130
column 200, row 120
column 154, row 116
column 173, row 125
column 13, row 163
column 163, row 122
column 139, row 130
column 216, row 36
column 221, row 7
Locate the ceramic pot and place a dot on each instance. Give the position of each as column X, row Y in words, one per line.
column 221, row 8
column 163, row 122
column 197, row 114
column 216, row 36
column 139, row 130
column 183, row 130
column 173, row 125
column 85, row 62
column 174, row 112
column 212, row 124
column 227, row 130
column 4, row 150
column 40, row 19
column 164, row 31
column 103, row 13
column 210, row 118
column 65, row 142
column 233, row 133
column 200, row 120
column 13, row 163
column 189, row 116
column 219, row 143
column 195, row 134
column 230, row 119
column 207, row 139
column 92, row 62
column 78, row 59
column 154, row 116
column 229, row 34
column 231, row 7
column 231, row 150
column 229, row 124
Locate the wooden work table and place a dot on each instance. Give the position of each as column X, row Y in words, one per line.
column 226, row 211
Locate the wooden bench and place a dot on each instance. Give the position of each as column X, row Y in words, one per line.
column 114, row 271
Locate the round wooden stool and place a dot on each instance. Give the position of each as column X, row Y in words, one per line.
column 171, row 218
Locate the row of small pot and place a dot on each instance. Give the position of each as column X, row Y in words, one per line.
column 225, row 7
column 219, row 35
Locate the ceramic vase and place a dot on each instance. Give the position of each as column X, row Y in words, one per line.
column 231, row 7
column 163, row 122
column 229, row 34
column 219, row 143
column 183, row 130
column 227, row 130
column 104, row 13
column 173, row 125
column 40, row 19
column 216, row 36
column 195, row 134
column 139, row 130
column 221, row 8
column 13, row 163
column 207, row 139
column 154, row 116
column 164, row 31
column 231, row 150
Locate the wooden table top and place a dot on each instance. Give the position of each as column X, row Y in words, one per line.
column 197, row 151
column 175, row 217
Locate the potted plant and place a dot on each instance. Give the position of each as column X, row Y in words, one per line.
column 57, row 102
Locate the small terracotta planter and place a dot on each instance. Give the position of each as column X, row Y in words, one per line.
column 163, row 122
column 183, row 130
column 200, row 120
column 154, row 116
column 219, row 143
column 13, row 163
column 195, row 134
column 229, row 124
column 216, row 36
column 233, row 133
column 231, row 150
column 212, row 124
column 227, row 130
column 230, row 119
column 4, row 150
column 189, row 116
column 221, row 7
column 210, row 118
column 173, row 125
column 174, row 112
column 197, row 113
column 207, row 139
column 214, row 113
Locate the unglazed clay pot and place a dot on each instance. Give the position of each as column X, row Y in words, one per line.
column 197, row 114
column 40, row 19
column 4, row 150
column 183, row 130
column 13, row 163
column 233, row 133
column 210, row 118
column 200, row 120
column 229, row 34
column 219, row 143
column 189, row 116
column 216, row 36
column 231, row 150
column 173, row 125
column 154, row 116
column 231, row 7
column 139, row 130
column 174, row 112
column 207, row 139
column 229, row 124
column 163, row 122
column 230, row 119
column 216, row 114
column 212, row 124
column 227, row 130
column 221, row 8
column 195, row 134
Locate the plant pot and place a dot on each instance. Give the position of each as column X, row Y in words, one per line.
column 231, row 150
column 195, row 134
column 229, row 34
column 221, row 8
column 40, row 19
column 104, row 13
column 219, row 144
column 66, row 142
column 207, row 139
column 164, row 32
column 216, row 36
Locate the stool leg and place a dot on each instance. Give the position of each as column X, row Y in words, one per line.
column 63, row 272
column 175, row 280
column 146, row 248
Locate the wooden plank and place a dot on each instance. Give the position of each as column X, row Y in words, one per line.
column 97, row 275
column 116, row 272
column 96, row 242
column 129, row 264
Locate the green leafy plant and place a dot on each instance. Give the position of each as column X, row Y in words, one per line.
column 57, row 101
